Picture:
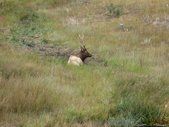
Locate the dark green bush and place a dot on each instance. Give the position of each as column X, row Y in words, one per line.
column 114, row 10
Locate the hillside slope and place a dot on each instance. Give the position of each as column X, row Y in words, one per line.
column 124, row 84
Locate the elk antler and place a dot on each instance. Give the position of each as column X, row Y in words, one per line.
column 81, row 38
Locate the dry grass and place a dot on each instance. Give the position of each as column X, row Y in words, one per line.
column 38, row 91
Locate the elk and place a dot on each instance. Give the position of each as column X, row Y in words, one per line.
column 81, row 56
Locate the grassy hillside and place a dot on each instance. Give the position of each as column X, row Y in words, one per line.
column 124, row 84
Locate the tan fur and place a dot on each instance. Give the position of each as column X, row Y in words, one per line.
column 74, row 60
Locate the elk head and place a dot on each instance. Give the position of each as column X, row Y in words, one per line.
column 83, row 54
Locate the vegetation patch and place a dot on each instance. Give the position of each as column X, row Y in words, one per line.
column 139, row 111
column 114, row 10
column 124, row 83
column 31, row 97
column 8, row 7
column 29, row 28
column 135, row 105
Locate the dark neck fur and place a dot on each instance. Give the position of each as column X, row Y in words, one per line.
column 82, row 57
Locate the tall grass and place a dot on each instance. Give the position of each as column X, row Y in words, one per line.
column 21, row 86
column 137, row 100
column 130, row 89
column 18, row 96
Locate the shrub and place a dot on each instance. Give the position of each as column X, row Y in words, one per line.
column 114, row 10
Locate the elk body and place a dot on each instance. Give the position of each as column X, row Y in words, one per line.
column 80, row 57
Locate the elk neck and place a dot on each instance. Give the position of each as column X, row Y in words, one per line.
column 82, row 56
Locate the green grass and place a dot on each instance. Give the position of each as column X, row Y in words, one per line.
column 38, row 90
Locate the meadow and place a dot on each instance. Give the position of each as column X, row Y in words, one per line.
column 124, row 84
